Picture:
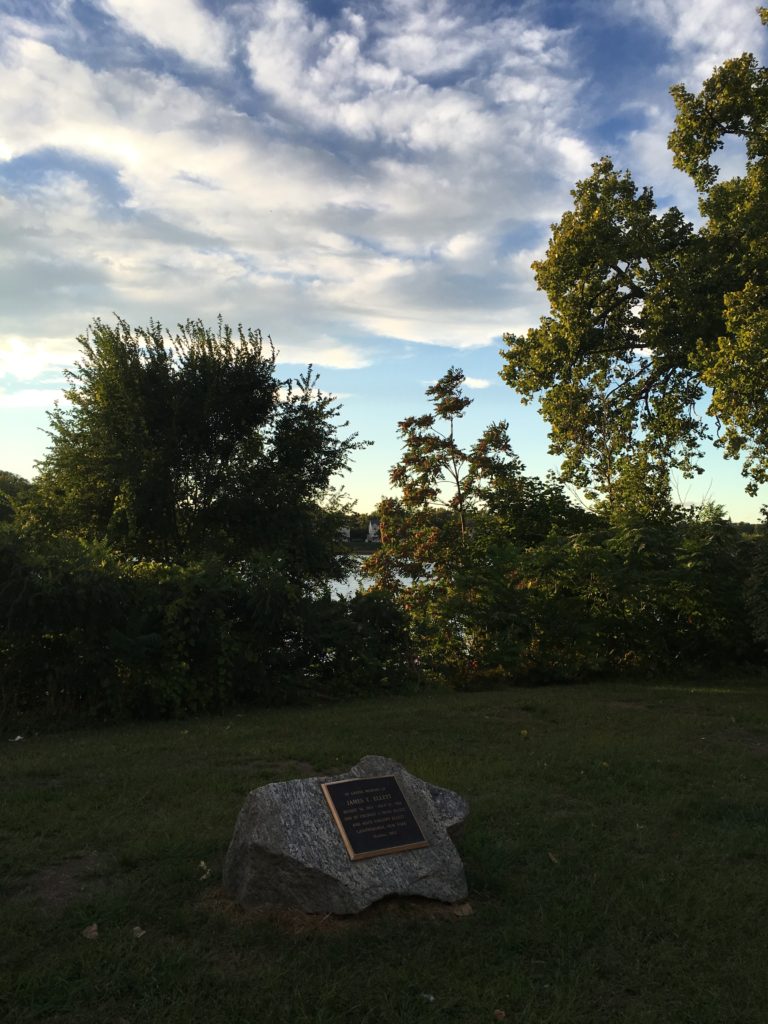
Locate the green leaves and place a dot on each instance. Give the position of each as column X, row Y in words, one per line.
column 732, row 101
column 737, row 371
column 178, row 446
column 606, row 362
column 452, row 541
column 731, row 361
column 646, row 313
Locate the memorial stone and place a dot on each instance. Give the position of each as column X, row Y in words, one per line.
column 338, row 844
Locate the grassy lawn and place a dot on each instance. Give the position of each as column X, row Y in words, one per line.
column 616, row 852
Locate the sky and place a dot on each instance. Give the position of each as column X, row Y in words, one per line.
column 366, row 182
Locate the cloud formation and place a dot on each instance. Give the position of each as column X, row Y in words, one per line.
column 376, row 175
column 701, row 35
column 184, row 26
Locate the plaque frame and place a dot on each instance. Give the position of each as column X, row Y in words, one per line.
column 367, row 854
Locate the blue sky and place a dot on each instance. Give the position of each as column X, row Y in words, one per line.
column 366, row 182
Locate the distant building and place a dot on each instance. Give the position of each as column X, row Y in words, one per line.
column 345, row 533
column 374, row 531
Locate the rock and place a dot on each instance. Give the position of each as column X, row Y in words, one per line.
column 287, row 851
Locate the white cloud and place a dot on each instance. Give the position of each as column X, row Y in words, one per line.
column 181, row 25
column 465, row 246
column 577, row 155
column 27, row 358
column 322, row 75
column 324, row 352
column 31, row 398
column 703, row 34
column 477, row 383
column 218, row 211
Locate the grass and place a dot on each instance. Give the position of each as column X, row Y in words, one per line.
column 616, row 853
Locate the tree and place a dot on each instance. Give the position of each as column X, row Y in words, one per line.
column 14, row 489
column 179, row 446
column 647, row 313
column 732, row 361
column 450, row 539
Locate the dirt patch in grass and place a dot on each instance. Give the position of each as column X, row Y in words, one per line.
column 297, row 922
column 57, row 886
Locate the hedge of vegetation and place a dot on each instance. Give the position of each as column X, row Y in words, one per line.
column 85, row 633
column 123, row 596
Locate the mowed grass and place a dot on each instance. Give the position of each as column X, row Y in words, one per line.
column 616, row 854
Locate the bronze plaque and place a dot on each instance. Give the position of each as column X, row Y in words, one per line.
column 373, row 816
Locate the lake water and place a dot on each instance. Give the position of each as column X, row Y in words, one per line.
column 349, row 587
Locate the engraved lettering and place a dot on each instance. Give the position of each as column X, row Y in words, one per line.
column 373, row 817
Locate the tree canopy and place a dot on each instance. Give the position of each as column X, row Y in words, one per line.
column 452, row 537
column 175, row 446
column 13, row 489
column 651, row 318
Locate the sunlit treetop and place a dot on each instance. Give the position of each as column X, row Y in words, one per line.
column 649, row 316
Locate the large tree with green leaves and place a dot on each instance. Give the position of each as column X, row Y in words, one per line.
column 174, row 447
column 650, row 319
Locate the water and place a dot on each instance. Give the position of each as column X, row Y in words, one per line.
column 349, row 586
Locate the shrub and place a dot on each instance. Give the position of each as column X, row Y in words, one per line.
column 757, row 589
column 60, row 602
column 638, row 598
column 635, row 598
column 83, row 634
